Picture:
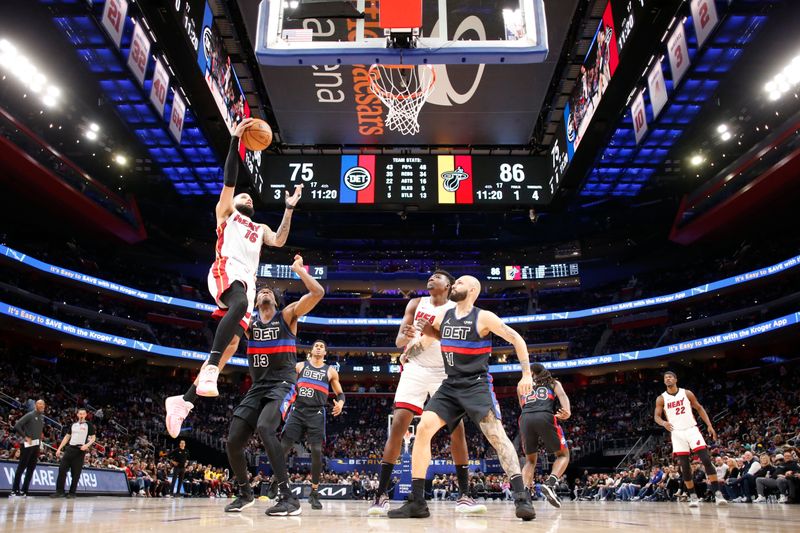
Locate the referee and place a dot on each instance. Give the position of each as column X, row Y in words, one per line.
column 78, row 440
column 30, row 427
column 178, row 457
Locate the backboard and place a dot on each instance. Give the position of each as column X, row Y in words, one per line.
column 452, row 32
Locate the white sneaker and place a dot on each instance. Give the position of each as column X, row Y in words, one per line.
column 760, row 499
column 380, row 507
column 177, row 411
column 466, row 505
column 720, row 499
column 693, row 501
column 207, row 382
column 783, row 499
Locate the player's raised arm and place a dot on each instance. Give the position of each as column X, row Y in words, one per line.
column 278, row 238
column 702, row 412
column 491, row 322
column 336, row 387
column 658, row 415
column 307, row 302
column 430, row 332
column 225, row 204
column 407, row 329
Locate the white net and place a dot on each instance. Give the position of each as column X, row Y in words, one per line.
column 403, row 89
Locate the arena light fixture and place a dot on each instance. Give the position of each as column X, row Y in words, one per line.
column 726, row 136
column 722, row 128
column 696, row 160
column 91, row 135
column 786, row 80
column 121, row 160
column 28, row 74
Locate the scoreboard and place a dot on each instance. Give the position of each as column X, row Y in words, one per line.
column 425, row 181
column 276, row 271
column 529, row 272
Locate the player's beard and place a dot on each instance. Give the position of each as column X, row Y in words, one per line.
column 246, row 210
column 458, row 296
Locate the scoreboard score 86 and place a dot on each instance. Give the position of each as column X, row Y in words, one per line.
column 426, row 181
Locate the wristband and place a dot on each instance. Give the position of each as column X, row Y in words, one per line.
column 289, row 207
column 340, row 397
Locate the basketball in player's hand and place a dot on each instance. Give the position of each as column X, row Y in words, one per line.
column 257, row 136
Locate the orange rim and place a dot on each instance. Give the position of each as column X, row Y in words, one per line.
column 374, row 73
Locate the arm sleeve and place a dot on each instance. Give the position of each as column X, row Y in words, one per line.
column 91, row 429
column 232, row 163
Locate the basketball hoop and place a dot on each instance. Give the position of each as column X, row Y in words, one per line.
column 403, row 89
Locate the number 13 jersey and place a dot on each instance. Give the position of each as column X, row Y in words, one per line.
column 271, row 351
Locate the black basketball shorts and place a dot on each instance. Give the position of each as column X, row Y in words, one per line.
column 541, row 427
column 471, row 396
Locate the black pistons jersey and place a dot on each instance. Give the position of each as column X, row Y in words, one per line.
column 271, row 351
column 541, row 400
column 464, row 351
column 312, row 387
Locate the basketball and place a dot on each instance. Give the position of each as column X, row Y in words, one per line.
column 257, row 136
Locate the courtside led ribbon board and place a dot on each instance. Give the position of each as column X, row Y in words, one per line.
column 652, row 301
column 113, row 20
column 95, row 481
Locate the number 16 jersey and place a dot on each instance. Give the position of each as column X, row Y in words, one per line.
column 271, row 351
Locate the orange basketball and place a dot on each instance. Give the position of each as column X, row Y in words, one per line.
column 257, row 136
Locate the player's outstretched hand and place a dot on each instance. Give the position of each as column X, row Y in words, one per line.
column 297, row 266
column 291, row 201
column 525, row 385
column 563, row 414
column 338, row 405
column 713, row 434
column 242, row 126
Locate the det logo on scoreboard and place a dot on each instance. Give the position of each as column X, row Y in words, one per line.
column 358, row 179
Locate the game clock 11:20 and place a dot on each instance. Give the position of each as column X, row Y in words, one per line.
column 424, row 181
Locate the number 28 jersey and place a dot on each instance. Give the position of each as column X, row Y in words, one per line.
column 271, row 351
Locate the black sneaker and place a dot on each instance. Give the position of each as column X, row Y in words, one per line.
column 287, row 505
column 413, row 508
column 57, row 495
column 313, row 499
column 522, row 501
column 70, row 496
column 244, row 500
column 552, row 498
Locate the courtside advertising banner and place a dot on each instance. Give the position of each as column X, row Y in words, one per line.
column 95, row 481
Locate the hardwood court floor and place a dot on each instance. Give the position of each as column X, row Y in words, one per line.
column 94, row 515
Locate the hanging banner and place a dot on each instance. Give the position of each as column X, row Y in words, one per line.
column 140, row 53
column 158, row 92
column 639, row 117
column 176, row 117
column 114, row 18
column 705, row 18
column 657, row 88
column 678, row 54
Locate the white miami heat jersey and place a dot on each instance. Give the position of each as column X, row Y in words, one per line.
column 239, row 242
column 432, row 355
column 679, row 410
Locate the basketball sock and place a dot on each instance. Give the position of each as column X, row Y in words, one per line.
column 191, row 394
column 517, row 485
column 283, row 487
column 214, row 358
column 462, row 473
column 418, row 489
column 386, row 476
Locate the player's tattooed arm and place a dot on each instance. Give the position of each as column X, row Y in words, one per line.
column 278, row 238
column 492, row 429
column 490, row 322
